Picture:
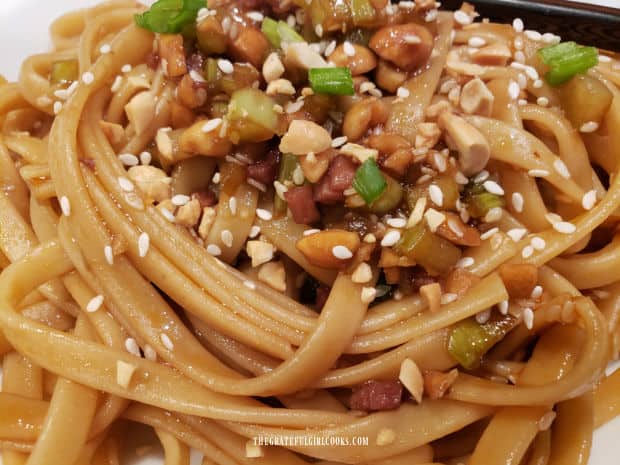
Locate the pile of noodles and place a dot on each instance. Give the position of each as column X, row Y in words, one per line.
column 232, row 345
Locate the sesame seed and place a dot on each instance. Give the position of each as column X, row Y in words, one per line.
column 590, row 126
column 105, row 49
column 533, row 35
column 476, row 42
column 528, row 318
column 318, row 30
column 225, row 66
column 550, row 38
column 517, row 201
column 294, row 107
column 588, row 200
column 546, row 420
column 94, row 304
column 65, row 206
column 488, row 234
column 341, row 252
column 116, row 85
column 494, row 214
column 144, row 241
column 434, row 219
column 412, row 39
column 542, row 101
column 259, row 185
column 249, row 284
column 232, row 205
column 518, row 25
column 339, row 141
column 503, row 307
column 518, row 43
column 125, row 184
column 561, row 168
column 149, row 353
column 483, row 316
column 88, row 78
column 519, row 56
column 330, row 48
column 211, row 125
column 536, row 292
column 482, row 176
column 263, row 214
column 216, row 178
column 227, row 238
column 255, row 16
column 390, row 239
column 447, row 298
column 431, row 15
column 368, row 294
column 493, row 187
column 310, row 232
column 57, row 107
column 564, row 227
column 406, row 5
column 462, row 18
column 132, row 347
column 397, row 222
column 465, row 262
column 514, row 90
column 521, row 79
column 254, row 231
column 180, row 199
column 108, row 253
column 146, row 158
column 167, row 214
column 553, row 217
column 402, row 92
column 436, row 195
column 128, row 159
column 126, row 68
column 348, row 48
column 538, row 83
column 214, row 250
column 538, row 173
column 527, row 251
column 165, row 340
column 538, row 243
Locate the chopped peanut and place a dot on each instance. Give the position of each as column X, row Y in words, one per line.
column 280, row 86
column 140, row 111
column 427, row 136
column 188, row 215
column 408, row 46
column 411, row 377
column 274, row 275
column 322, row 249
column 476, row 98
column 362, row 274
column 260, row 252
column 389, row 259
column 437, row 108
column 519, row 279
column 304, row 137
column 171, row 50
column 253, row 451
column 153, row 182
column 301, row 55
column 208, row 217
column 272, row 67
column 359, row 152
column 457, row 66
column 195, row 140
column 473, row 148
column 388, row 77
column 437, row 383
column 458, row 232
column 362, row 61
column 189, row 94
column 398, row 162
column 315, row 166
column 124, row 373
column 164, row 142
column 459, row 281
column 496, row 54
column 363, row 115
column 432, row 295
column 115, row 133
column 250, row 46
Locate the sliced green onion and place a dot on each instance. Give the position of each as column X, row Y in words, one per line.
column 64, row 71
column 469, row 340
column 170, row 16
column 436, row 254
column 334, row 81
column 480, row 201
column 567, row 59
column 278, row 32
column 288, row 164
column 369, row 182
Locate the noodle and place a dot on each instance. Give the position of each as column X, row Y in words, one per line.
column 406, row 258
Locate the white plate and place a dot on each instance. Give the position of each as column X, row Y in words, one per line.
column 24, row 31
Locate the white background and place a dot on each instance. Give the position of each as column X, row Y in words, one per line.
column 24, row 31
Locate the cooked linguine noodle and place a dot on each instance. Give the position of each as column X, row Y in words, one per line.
column 344, row 232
